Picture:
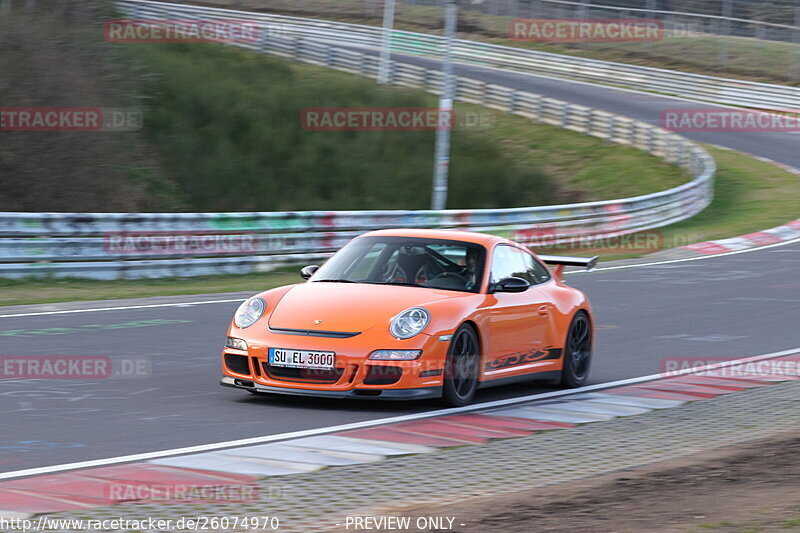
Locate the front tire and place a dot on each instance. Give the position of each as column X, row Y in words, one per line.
column 577, row 352
column 461, row 367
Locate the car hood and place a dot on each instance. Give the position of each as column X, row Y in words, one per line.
column 345, row 307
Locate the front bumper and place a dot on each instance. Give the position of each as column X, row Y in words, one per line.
column 354, row 375
column 361, row 394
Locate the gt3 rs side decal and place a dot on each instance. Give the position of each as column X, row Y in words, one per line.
column 521, row 358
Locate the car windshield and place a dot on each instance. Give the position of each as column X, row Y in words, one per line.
column 431, row 263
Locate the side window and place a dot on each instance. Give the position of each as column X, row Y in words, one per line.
column 509, row 261
column 537, row 272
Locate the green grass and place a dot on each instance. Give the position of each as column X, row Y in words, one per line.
column 751, row 196
column 227, row 124
column 746, row 58
column 228, row 127
column 37, row 291
column 764, row 520
column 585, row 167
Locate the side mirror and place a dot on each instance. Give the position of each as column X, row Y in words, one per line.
column 308, row 271
column 511, row 284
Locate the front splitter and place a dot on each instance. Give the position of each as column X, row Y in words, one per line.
column 356, row 394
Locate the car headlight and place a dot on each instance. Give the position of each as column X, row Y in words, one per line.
column 409, row 322
column 236, row 344
column 395, row 355
column 251, row 310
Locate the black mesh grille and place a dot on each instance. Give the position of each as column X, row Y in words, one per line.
column 237, row 363
column 314, row 375
column 383, row 375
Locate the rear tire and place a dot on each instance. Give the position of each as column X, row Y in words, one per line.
column 461, row 368
column 577, row 352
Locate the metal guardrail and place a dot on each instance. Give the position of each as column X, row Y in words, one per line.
column 123, row 245
column 686, row 85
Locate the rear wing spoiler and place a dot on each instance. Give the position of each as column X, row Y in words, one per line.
column 589, row 263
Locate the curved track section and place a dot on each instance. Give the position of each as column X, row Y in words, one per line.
column 724, row 307
column 647, row 107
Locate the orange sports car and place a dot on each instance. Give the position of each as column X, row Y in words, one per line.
column 406, row 314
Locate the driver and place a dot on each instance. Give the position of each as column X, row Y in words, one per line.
column 470, row 268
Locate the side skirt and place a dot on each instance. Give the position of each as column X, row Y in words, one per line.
column 550, row 375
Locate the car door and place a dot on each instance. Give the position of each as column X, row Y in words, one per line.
column 518, row 322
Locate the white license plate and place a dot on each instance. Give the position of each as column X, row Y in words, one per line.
column 300, row 358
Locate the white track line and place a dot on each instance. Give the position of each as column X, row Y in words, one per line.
column 379, row 422
column 711, row 256
column 122, row 308
column 601, row 269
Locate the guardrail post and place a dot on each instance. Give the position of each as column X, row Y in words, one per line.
column 674, row 150
column 362, row 67
column 296, row 44
column 263, row 44
column 725, row 31
column 612, row 127
column 694, row 163
column 651, row 7
column 537, row 110
column 512, row 103
column 793, row 69
column 565, row 109
column 391, row 73
column 684, row 156
column 650, row 135
column 386, row 38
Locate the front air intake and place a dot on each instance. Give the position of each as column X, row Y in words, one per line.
column 237, row 363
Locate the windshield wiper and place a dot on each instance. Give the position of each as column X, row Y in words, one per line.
column 403, row 283
column 332, row 280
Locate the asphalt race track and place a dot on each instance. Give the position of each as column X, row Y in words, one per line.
column 720, row 307
column 724, row 307
column 647, row 107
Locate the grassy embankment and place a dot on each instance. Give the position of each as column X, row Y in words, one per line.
column 226, row 124
column 751, row 196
